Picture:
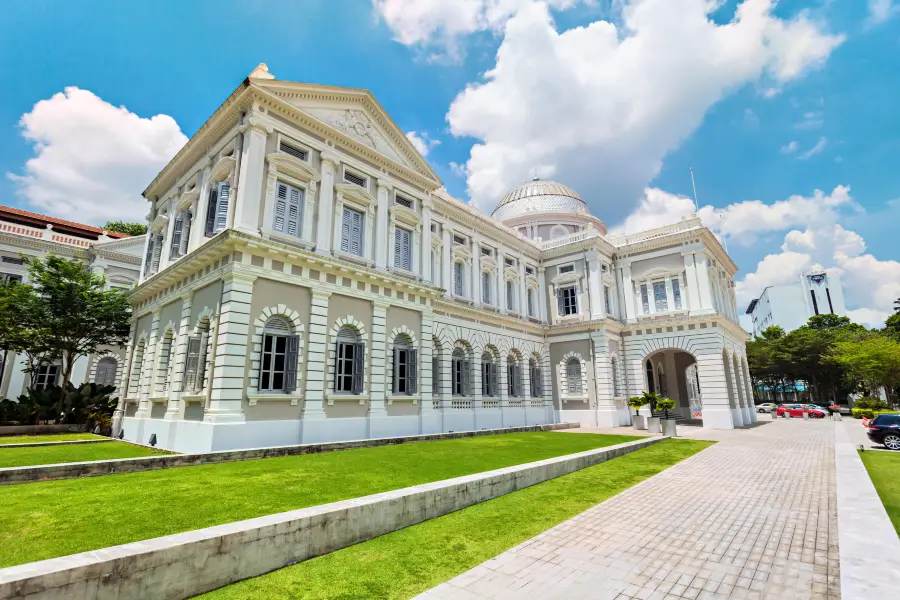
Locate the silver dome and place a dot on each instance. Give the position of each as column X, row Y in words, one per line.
column 539, row 196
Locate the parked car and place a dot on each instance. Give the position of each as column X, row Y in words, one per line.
column 885, row 430
column 839, row 408
column 766, row 407
column 797, row 410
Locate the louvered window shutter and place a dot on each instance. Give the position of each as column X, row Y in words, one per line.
column 191, row 366
column 280, row 207
column 175, row 248
column 486, row 287
column 222, row 206
column 157, row 252
column 398, row 247
column 346, row 229
column 356, row 233
column 186, row 234
column 291, row 360
column 211, row 204
column 465, row 378
column 201, row 361
column 359, row 351
column 412, row 372
column 148, row 265
column 560, row 302
column 295, row 212
column 494, row 379
column 518, row 380
column 407, row 251
column 396, row 383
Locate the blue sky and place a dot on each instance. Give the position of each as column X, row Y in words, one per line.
column 767, row 108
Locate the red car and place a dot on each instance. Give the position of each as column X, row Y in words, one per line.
column 797, row 410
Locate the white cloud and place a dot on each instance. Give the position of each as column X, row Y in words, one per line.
column 774, row 269
column 798, row 241
column 811, row 120
column 600, row 106
column 657, row 208
column 92, row 159
column 790, row 147
column 422, row 141
column 881, row 10
column 820, row 145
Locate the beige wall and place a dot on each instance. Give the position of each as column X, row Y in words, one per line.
column 171, row 313
column 208, row 296
column 560, row 349
column 143, row 325
column 397, row 317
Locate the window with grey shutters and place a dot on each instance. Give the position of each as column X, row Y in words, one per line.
column 349, row 362
column 222, row 204
column 402, row 249
column 211, row 203
column 157, row 253
column 567, row 301
column 513, row 378
column 510, row 296
column 177, row 231
column 148, row 260
column 192, row 363
column 460, row 373
column 614, row 366
column 352, row 231
column 676, row 292
column 488, row 375
column 529, row 295
column 534, row 379
column 404, row 376
column 486, row 287
column 279, row 357
column 573, row 377
column 606, row 292
column 288, row 210
column 458, row 278
column 106, row 371
column 186, row 234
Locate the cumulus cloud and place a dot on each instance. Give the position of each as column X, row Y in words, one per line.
column 774, row 269
column 881, row 10
column 657, row 208
column 422, row 141
column 92, row 159
column 600, row 106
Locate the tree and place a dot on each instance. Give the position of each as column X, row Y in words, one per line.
column 892, row 326
column 15, row 304
column 897, row 305
column 126, row 227
column 873, row 362
column 72, row 312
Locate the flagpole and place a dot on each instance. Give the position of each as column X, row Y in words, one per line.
column 694, row 185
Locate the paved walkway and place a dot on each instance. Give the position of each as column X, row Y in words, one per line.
column 752, row 517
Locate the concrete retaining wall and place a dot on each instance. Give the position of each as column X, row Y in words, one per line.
column 67, row 443
column 185, row 564
column 150, row 463
column 39, row 429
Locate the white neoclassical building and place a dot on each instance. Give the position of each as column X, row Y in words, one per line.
column 25, row 234
column 307, row 278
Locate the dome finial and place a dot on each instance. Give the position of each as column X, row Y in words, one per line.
column 534, row 175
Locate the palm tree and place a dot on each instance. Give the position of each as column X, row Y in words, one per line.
column 897, row 305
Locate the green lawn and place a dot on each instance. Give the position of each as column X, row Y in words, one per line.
column 49, row 437
column 407, row 562
column 54, row 518
column 884, row 470
column 66, row 453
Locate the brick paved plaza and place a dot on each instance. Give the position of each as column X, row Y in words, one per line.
column 752, row 517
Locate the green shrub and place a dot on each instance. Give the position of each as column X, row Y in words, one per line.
column 636, row 402
column 859, row 413
column 870, row 403
column 665, row 405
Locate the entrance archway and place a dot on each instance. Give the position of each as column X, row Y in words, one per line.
column 673, row 373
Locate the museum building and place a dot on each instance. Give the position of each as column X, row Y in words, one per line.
column 307, row 278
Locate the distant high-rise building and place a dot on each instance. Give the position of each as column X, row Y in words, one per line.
column 817, row 292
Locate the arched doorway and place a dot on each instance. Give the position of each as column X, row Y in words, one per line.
column 673, row 373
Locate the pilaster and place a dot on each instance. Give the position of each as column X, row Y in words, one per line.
column 595, row 286
column 446, row 262
column 177, row 384
column 476, row 273
column 542, row 294
column 248, row 200
column 378, row 361
column 703, row 286
column 326, row 204
column 381, row 224
column 628, row 292
column 148, row 372
column 426, row 242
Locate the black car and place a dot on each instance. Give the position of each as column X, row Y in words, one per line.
column 885, row 429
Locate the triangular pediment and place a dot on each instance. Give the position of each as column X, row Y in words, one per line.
column 356, row 114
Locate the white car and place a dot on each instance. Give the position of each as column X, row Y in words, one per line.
column 766, row 407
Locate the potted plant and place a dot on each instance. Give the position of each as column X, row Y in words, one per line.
column 665, row 405
column 636, row 402
column 652, row 398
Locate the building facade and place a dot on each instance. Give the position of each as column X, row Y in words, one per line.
column 816, row 292
column 117, row 257
column 307, row 278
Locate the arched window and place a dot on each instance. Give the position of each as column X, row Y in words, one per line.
column 573, row 377
column 106, row 371
column 460, row 373
column 405, row 368
column 197, row 364
column 534, row 378
column 614, row 365
column 513, row 377
column 166, row 360
column 651, row 380
column 349, row 362
column 488, row 375
column 280, row 354
column 137, row 367
column 436, row 368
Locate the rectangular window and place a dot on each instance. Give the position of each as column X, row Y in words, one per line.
column 530, row 300
column 510, row 296
column 403, row 201
column 402, row 249
column 459, row 240
column 458, row 279
column 288, row 210
column 177, row 232
column 294, row 151
column 567, row 269
column 486, row 252
column 352, row 232
column 355, row 179
column 606, row 292
column 567, row 301
column 348, row 368
column 529, row 271
column 486, row 287
column 645, row 299
column 10, row 277
column 186, row 234
column 509, row 262
column 46, row 376
column 460, row 377
column 488, row 379
column 513, row 380
column 676, row 292
column 13, row 260
column 660, row 302
column 404, row 376
column 535, row 382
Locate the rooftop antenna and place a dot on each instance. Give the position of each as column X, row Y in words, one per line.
column 694, row 185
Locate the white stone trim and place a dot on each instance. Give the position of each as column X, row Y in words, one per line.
column 120, row 364
column 356, row 324
column 563, row 378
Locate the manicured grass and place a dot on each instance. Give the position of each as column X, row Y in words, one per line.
column 48, row 437
column 407, row 562
column 884, row 470
column 54, row 518
column 66, row 453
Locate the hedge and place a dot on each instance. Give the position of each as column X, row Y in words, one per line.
column 859, row 413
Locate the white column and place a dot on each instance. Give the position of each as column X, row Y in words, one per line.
column 181, row 339
column 122, row 384
column 381, row 224
column 326, row 204
column 628, row 292
column 426, row 242
column 542, row 294
column 689, row 293
column 148, row 372
column 670, row 295
column 523, row 291
column 166, row 253
column 446, row 262
column 430, row 422
column 248, row 200
column 501, row 281
column 377, row 413
column 314, row 394
column 476, row 273
column 701, row 262
column 198, row 220
column 230, row 350
column 595, row 289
